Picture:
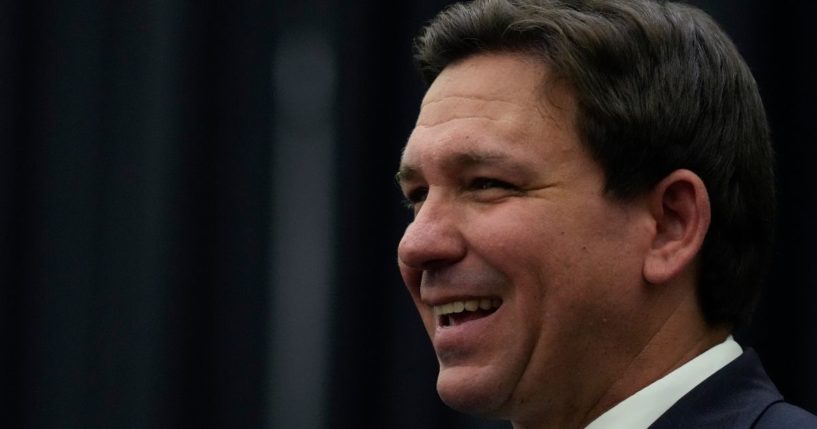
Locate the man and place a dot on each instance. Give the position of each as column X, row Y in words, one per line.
column 593, row 195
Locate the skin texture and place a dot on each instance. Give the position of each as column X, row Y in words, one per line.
column 597, row 294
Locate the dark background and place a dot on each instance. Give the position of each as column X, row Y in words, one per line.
column 199, row 220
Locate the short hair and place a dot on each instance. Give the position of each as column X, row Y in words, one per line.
column 659, row 87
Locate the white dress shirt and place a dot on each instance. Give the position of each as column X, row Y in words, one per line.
column 648, row 404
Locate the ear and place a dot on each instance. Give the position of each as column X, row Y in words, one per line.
column 679, row 205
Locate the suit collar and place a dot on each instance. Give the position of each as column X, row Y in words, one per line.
column 734, row 396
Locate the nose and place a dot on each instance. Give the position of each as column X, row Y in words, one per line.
column 434, row 239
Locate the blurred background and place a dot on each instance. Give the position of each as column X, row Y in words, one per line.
column 199, row 220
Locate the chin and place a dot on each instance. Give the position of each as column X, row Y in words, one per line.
column 469, row 391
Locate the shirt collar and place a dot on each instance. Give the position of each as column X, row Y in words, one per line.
column 648, row 404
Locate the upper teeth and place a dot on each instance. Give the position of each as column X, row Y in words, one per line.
column 469, row 305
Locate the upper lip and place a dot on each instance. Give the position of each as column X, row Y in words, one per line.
column 446, row 298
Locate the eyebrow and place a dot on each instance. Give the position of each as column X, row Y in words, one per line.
column 463, row 160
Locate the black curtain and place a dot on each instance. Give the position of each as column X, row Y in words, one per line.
column 135, row 163
column 138, row 212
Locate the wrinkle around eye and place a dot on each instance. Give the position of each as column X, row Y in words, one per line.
column 486, row 190
column 414, row 197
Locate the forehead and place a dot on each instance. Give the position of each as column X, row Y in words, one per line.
column 497, row 76
column 494, row 103
column 492, row 84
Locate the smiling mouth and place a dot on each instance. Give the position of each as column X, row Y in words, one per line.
column 459, row 312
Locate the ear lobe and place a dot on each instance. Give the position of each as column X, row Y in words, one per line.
column 680, row 208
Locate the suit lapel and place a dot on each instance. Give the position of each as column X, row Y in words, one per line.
column 733, row 397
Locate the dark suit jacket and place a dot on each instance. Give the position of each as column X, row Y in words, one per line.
column 740, row 395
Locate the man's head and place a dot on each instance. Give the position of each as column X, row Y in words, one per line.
column 659, row 87
column 567, row 163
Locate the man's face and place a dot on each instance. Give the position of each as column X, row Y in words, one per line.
column 525, row 274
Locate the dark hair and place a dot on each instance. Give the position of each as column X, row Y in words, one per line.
column 659, row 87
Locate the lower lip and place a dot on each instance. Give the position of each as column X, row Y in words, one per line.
column 457, row 341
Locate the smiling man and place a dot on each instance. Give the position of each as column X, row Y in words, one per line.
column 593, row 196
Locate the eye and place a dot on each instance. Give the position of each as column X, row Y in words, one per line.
column 484, row 183
column 415, row 196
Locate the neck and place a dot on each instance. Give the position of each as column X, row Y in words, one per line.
column 683, row 336
column 678, row 338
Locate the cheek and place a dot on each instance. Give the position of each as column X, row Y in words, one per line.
column 553, row 260
column 524, row 242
